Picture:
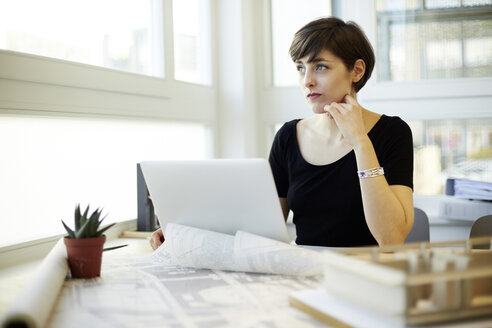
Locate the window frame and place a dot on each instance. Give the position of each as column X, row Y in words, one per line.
column 386, row 18
column 437, row 99
column 32, row 83
column 411, row 100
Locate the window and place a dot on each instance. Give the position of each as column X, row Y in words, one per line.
column 73, row 133
column 428, row 48
column 53, row 163
column 192, row 47
column 287, row 17
column 451, row 148
column 115, row 34
column 434, row 39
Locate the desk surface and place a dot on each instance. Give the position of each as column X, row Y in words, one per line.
column 134, row 290
column 138, row 290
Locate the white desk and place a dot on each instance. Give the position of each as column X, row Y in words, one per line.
column 442, row 229
column 135, row 291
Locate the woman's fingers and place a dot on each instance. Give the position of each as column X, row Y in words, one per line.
column 348, row 118
column 341, row 108
column 156, row 239
column 335, row 110
column 348, row 99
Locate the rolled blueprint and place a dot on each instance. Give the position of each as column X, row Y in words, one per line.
column 33, row 305
column 246, row 252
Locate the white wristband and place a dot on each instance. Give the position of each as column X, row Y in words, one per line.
column 370, row 173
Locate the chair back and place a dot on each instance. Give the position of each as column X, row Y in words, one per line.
column 420, row 230
column 482, row 227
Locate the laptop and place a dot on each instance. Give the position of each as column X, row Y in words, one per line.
column 222, row 195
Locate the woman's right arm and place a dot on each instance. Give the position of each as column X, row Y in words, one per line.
column 285, row 207
column 156, row 239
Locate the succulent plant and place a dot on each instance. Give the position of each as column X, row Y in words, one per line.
column 87, row 226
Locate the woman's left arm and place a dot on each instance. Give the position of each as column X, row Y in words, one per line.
column 388, row 209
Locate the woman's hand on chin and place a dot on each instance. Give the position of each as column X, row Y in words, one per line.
column 348, row 117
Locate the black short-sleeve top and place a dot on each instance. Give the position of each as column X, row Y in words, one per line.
column 326, row 199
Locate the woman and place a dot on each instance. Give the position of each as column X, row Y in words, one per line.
column 345, row 172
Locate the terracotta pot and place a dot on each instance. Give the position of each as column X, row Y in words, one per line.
column 85, row 256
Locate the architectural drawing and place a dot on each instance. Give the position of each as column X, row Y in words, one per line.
column 151, row 291
column 246, row 252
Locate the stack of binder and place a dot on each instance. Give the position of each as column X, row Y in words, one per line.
column 466, row 200
column 471, row 189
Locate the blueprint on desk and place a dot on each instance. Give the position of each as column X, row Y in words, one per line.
column 245, row 252
column 153, row 291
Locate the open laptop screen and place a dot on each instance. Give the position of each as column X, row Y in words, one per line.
column 222, row 195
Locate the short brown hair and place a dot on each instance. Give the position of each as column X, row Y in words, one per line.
column 345, row 40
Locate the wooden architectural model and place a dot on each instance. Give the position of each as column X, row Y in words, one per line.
column 413, row 284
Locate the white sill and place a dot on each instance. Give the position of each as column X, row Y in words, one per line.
column 34, row 250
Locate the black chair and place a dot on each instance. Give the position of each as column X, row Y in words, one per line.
column 146, row 218
column 420, row 230
column 482, row 227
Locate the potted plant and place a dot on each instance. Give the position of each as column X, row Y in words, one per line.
column 85, row 243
